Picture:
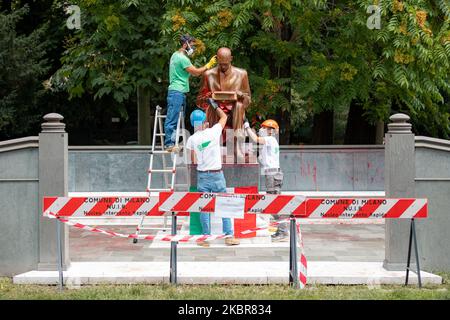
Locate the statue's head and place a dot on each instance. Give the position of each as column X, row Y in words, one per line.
column 224, row 59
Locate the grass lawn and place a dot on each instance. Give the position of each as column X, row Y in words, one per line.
column 8, row 290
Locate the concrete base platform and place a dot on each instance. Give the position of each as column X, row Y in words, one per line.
column 264, row 272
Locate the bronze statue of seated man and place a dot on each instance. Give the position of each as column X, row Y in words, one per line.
column 229, row 87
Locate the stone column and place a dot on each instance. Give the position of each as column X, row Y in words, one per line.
column 53, row 181
column 399, row 176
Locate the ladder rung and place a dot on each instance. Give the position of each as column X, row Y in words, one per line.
column 159, row 152
column 161, row 116
column 158, row 189
column 162, row 171
column 160, row 134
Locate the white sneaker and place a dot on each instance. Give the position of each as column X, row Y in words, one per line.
column 278, row 237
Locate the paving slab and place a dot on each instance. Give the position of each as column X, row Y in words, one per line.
column 323, row 242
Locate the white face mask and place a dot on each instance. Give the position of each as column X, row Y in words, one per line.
column 190, row 50
column 262, row 132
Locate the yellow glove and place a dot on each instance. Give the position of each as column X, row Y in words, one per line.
column 211, row 62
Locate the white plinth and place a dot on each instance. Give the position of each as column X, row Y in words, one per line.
column 265, row 272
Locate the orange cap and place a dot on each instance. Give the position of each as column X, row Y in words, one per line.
column 269, row 123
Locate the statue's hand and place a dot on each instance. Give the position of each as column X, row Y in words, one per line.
column 212, row 62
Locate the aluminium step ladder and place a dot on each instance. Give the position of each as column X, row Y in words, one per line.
column 158, row 150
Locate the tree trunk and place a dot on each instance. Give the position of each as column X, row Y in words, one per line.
column 358, row 130
column 284, row 122
column 379, row 136
column 323, row 127
column 285, row 72
column 144, row 123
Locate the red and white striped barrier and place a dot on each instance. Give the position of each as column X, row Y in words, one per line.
column 357, row 208
column 180, row 202
column 321, row 208
column 254, row 203
column 342, row 208
column 104, row 207
column 64, row 208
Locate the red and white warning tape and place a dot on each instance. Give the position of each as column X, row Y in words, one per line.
column 303, row 264
column 195, row 238
column 180, row 238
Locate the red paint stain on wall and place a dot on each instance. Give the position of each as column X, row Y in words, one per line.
column 315, row 175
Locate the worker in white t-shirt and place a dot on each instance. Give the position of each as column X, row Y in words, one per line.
column 205, row 146
column 269, row 159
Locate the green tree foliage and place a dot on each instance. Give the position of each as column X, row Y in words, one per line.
column 115, row 51
column 310, row 56
column 304, row 57
column 263, row 37
column 404, row 66
column 23, row 68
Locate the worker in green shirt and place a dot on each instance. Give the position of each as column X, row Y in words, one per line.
column 180, row 70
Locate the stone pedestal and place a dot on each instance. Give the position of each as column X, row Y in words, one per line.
column 236, row 175
column 399, row 183
column 53, row 181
